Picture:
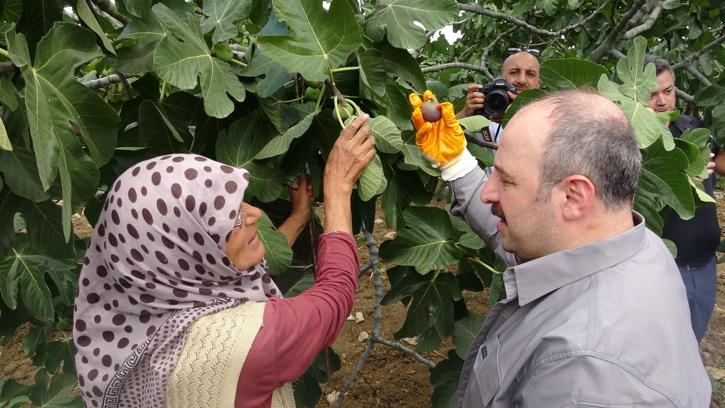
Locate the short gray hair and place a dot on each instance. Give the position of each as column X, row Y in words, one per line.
column 596, row 143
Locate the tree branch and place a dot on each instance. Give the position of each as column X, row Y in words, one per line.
column 695, row 56
column 377, row 315
column 697, row 74
column 647, row 24
column 489, row 47
column 404, row 350
column 355, row 371
column 441, row 67
column 109, row 8
column 416, row 52
column 606, row 45
column 482, row 143
column 104, row 81
column 685, row 96
column 474, row 8
column 98, row 12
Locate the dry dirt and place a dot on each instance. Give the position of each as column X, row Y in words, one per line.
column 390, row 379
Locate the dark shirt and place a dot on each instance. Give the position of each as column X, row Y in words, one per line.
column 696, row 238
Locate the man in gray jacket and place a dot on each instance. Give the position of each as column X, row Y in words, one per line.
column 595, row 312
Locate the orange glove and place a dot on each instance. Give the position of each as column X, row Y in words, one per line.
column 442, row 142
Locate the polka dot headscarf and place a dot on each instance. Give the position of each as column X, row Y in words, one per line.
column 155, row 264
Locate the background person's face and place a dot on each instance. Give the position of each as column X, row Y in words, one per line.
column 244, row 247
column 522, row 71
column 527, row 225
column 663, row 99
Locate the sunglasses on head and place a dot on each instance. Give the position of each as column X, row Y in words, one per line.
column 533, row 51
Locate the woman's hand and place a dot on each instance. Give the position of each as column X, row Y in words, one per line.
column 301, row 196
column 352, row 152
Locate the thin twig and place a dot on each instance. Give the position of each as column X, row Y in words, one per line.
column 606, row 45
column 404, row 350
column 416, row 52
column 482, row 143
column 489, row 47
column 695, row 56
column 474, row 8
column 441, row 67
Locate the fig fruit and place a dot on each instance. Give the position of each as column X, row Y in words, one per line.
column 223, row 52
column 345, row 111
column 311, row 94
column 431, row 110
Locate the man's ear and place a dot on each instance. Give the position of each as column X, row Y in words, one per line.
column 577, row 195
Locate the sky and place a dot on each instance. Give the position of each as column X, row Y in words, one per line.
column 447, row 31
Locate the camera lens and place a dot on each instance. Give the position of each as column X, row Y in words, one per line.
column 496, row 102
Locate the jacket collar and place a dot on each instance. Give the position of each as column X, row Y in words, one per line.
column 544, row 275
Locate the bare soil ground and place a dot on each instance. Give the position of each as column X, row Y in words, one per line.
column 390, row 379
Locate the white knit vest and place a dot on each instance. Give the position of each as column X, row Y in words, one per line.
column 208, row 369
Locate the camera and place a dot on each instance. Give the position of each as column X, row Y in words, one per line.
column 497, row 99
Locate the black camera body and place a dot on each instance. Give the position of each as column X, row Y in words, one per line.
column 497, row 99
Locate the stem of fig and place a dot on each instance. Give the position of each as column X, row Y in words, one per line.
column 358, row 111
column 337, row 111
column 344, row 69
column 319, row 98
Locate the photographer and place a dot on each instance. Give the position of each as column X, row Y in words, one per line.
column 520, row 69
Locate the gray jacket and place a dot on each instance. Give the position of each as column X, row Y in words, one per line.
column 603, row 325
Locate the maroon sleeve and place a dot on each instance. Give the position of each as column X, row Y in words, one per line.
column 296, row 329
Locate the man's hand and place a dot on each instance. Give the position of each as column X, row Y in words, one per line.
column 442, row 141
column 474, row 102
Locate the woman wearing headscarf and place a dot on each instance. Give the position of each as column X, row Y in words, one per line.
column 174, row 306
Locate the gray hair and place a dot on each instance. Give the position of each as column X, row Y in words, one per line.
column 662, row 65
column 590, row 136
